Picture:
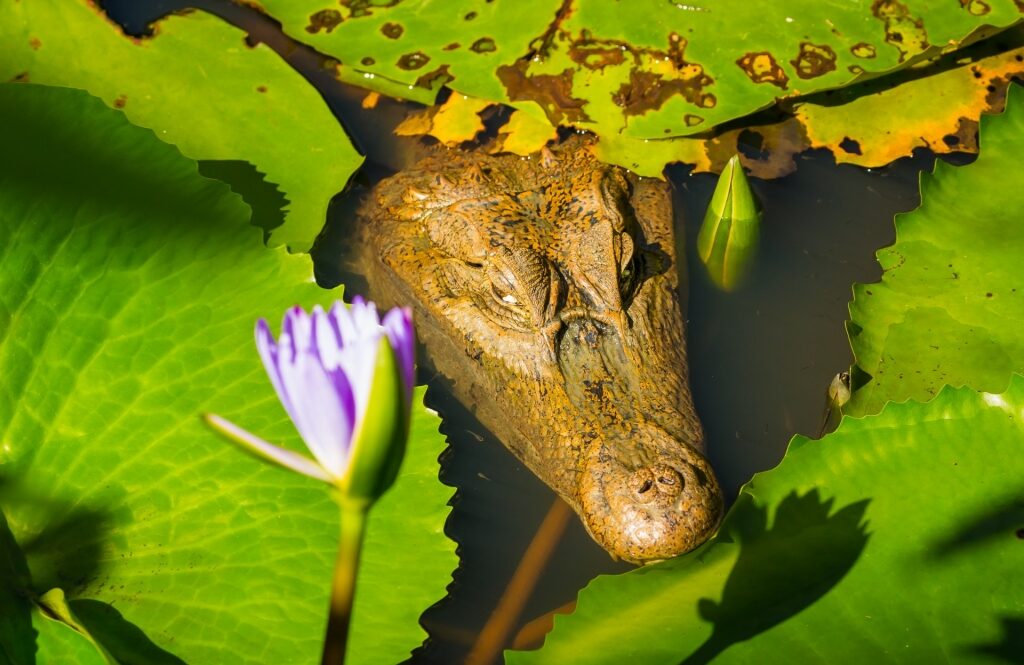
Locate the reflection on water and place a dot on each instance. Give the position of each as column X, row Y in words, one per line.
column 761, row 358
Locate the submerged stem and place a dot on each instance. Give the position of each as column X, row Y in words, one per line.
column 353, row 523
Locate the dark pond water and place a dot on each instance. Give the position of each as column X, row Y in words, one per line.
column 761, row 358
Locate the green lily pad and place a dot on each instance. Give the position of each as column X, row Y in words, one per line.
column 644, row 69
column 893, row 539
column 950, row 306
column 129, row 286
column 198, row 85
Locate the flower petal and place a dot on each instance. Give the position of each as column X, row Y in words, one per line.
column 326, row 338
column 360, row 333
column 254, row 444
column 398, row 324
column 324, row 409
column 270, row 354
column 295, row 332
column 364, row 316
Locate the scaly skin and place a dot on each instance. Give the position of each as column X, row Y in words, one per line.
column 545, row 289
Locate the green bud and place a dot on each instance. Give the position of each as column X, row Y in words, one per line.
column 727, row 242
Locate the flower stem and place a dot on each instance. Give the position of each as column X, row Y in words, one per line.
column 353, row 523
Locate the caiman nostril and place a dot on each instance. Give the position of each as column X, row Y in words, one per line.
column 670, row 481
column 656, row 483
column 640, row 483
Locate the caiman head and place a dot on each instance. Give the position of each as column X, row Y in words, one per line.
column 545, row 289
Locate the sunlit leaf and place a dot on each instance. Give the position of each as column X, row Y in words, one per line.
column 524, row 134
column 198, row 85
column 129, row 286
column 453, row 122
column 950, row 305
column 893, row 539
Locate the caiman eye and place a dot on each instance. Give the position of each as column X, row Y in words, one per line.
column 504, row 296
column 630, row 276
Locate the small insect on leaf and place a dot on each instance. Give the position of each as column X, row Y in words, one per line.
column 727, row 242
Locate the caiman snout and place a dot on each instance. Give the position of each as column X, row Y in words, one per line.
column 644, row 494
column 643, row 511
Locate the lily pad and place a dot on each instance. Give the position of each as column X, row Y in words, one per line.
column 893, row 539
column 649, row 69
column 938, row 112
column 939, row 108
column 950, row 306
column 129, row 286
column 198, row 85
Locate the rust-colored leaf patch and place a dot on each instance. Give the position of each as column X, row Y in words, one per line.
column 904, row 32
column 362, row 8
column 863, row 50
column 814, row 60
column 433, row 80
column 654, row 75
column 762, row 67
column 483, row 45
column 553, row 92
column 325, row 19
column 976, row 7
column 415, row 60
column 392, row 30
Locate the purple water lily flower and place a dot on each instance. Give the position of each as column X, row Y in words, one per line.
column 345, row 377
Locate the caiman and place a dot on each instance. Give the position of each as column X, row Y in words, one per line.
column 546, row 290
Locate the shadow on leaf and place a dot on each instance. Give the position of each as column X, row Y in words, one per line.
column 17, row 636
column 1005, row 521
column 263, row 197
column 65, row 553
column 780, row 570
column 1010, row 648
column 124, row 640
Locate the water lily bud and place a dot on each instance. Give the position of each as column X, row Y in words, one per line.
column 728, row 238
column 345, row 377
